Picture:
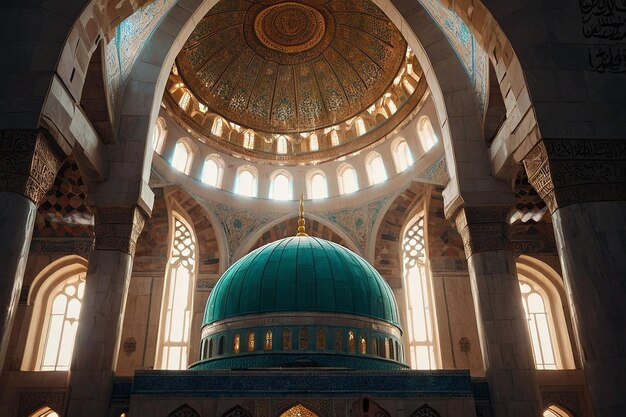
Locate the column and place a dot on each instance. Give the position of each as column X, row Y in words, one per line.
column 102, row 312
column 583, row 182
column 502, row 325
column 29, row 162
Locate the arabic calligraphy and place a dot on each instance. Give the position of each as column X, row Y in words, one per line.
column 605, row 20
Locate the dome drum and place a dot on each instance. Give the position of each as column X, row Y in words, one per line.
column 301, row 301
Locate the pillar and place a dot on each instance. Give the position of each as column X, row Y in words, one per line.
column 502, row 325
column 102, row 312
column 29, row 162
column 583, row 183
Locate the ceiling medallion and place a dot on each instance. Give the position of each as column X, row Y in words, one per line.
column 289, row 27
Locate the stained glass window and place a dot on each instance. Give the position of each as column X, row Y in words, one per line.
column 268, row 340
column 351, row 342
column 236, row 343
column 250, row 341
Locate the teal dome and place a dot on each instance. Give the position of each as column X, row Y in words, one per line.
column 301, row 274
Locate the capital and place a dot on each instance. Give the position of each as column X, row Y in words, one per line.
column 118, row 228
column 29, row 162
column 483, row 229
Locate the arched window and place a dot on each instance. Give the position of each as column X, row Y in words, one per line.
column 250, row 341
column 321, row 339
column 62, row 323
column 313, row 143
column 178, row 297
column 158, row 137
column 236, row 343
column 287, row 339
column 375, row 168
column 362, row 344
column 268, row 340
column 281, row 144
column 317, row 185
column 360, row 126
column 248, row 139
column 351, row 342
column 338, row 340
column 402, row 155
column 542, row 294
column 246, row 182
column 391, row 105
column 185, row 100
column 418, row 294
column 557, row 411
column 280, row 188
column 44, row 412
column 304, row 338
column 182, row 157
column 347, row 179
column 408, row 87
column 217, row 127
column 334, row 138
column 540, row 332
column 426, row 134
column 212, row 171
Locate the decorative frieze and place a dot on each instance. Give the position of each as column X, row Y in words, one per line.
column 117, row 228
column 570, row 171
column 483, row 229
column 29, row 162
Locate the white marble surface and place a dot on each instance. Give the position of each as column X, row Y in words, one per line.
column 98, row 336
column 505, row 343
column 591, row 240
column 17, row 218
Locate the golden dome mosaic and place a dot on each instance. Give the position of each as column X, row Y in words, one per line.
column 291, row 66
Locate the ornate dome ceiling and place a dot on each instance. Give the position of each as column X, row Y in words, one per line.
column 291, row 66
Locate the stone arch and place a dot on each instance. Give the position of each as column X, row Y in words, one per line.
column 299, row 409
column 557, row 410
column 209, row 245
column 366, row 407
column 184, row 411
column 387, row 256
column 425, row 411
column 288, row 227
column 237, row 411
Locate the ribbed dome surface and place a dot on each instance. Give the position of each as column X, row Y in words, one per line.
column 301, row 274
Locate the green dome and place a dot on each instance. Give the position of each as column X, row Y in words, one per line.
column 301, row 274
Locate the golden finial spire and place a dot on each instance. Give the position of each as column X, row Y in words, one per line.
column 301, row 228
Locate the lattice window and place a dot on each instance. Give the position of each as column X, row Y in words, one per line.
column 425, row 411
column 184, row 411
column 62, row 324
column 541, row 334
column 178, row 297
column 298, row 411
column 418, row 292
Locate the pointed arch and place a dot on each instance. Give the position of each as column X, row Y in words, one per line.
column 557, row 410
column 425, row 411
column 184, row 411
column 237, row 411
column 44, row 411
column 298, row 410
